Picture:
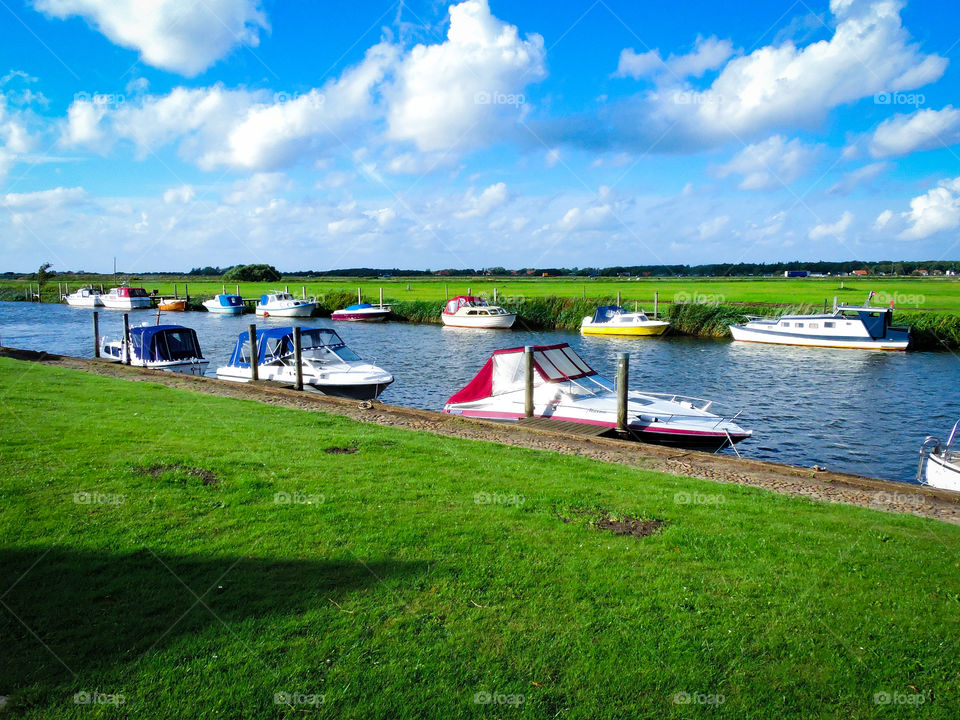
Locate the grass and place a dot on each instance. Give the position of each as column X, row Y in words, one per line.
column 204, row 557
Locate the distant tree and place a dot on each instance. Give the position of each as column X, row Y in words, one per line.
column 43, row 275
column 252, row 273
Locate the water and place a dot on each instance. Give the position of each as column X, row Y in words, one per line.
column 851, row 411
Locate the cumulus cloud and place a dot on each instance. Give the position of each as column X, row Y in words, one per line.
column 773, row 163
column 43, row 199
column 710, row 228
column 460, row 91
column 852, row 180
column 923, row 130
column 708, row 54
column 179, row 195
column 483, row 204
column 832, row 230
column 15, row 140
column 596, row 217
column 935, row 211
column 183, row 36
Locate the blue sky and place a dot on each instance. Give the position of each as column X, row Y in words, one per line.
column 182, row 133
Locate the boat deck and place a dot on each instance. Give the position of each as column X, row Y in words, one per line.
column 564, row 426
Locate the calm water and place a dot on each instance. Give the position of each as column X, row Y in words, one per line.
column 852, row 411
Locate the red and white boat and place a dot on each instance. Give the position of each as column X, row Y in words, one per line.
column 362, row 312
column 567, row 388
column 473, row 312
column 126, row 298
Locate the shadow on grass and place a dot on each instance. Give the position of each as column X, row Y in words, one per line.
column 65, row 615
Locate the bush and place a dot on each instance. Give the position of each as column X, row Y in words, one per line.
column 252, row 273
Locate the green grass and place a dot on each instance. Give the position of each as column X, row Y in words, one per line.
column 390, row 591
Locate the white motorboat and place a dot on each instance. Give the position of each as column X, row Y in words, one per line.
column 224, row 304
column 126, row 298
column 283, row 304
column 362, row 312
column 566, row 388
column 161, row 347
column 614, row 320
column 848, row 326
column 939, row 465
column 84, row 297
column 328, row 365
column 468, row 311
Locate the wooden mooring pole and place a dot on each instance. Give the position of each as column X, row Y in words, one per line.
column 96, row 334
column 254, row 372
column 623, row 372
column 126, row 338
column 528, row 381
column 297, row 354
column 656, row 302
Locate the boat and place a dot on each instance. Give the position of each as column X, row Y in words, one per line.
column 283, row 304
column 225, row 304
column 172, row 305
column 567, row 389
column 362, row 312
column 939, row 464
column 84, row 297
column 614, row 320
column 328, row 365
column 126, row 298
column 468, row 311
column 848, row 326
column 174, row 348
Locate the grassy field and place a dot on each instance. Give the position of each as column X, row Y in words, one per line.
column 201, row 557
column 934, row 294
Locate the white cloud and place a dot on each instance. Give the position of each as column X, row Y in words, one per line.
column 257, row 189
column 709, row 228
column 852, row 180
column 482, row 205
column 935, row 211
column 43, row 199
column 463, row 90
column 179, row 195
column 184, row 36
column 883, row 219
column 347, row 226
column 708, row 54
column 834, row 230
column 15, row 140
column 922, row 130
column 597, row 217
column 773, row 163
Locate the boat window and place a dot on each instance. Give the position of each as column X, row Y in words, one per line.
column 274, row 347
column 829, row 324
column 471, row 312
column 786, row 324
column 814, row 326
column 346, row 354
column 799, row 324
column 180, row 345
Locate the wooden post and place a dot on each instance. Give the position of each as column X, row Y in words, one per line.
column 618, row 297
column 468, row 291
column 286, row 288
column 175, row 296
column 359, row 296
column 528, row 381
column 223, row 289
column 297, row 354
column 254, row 355
column 238, row 288
column 446, row 293
column 834, row 303
column 623, row 371
column 186, row 293
column 126, row 338
column 494, row 296
column 303, row 292
column 101, row 288
column 96, row 334
column 381, row 297
column 656, row 302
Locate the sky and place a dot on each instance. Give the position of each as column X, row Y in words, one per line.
column 172, row 134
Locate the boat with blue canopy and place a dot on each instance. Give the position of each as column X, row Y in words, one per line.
column 614, row 320
column 225, row 304
column 174, row 348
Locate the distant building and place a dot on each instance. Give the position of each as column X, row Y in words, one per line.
column 795, row 273
column 860, row 272
column 921, row 271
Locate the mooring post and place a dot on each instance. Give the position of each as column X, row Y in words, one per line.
column 101, row 288
column 468, row 291
column 303, row 292
column 528, row 381
column 254, row 354
column 618, row 297
column 494, row 296
column 381, row 297
column 286, row 288
column 656, row 302
column 223, row 289
column 96, row 334
column 834, row 303
column 186, row 293
column 359, row 296
column 175, row 296
column 623, row 370
column 446, row 293
column 126, row 338
column 297, row 354
column 238, row 289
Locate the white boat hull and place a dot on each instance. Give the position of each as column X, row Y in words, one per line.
column 359, row 383
column 115, row 303
column 940, row 472
column 304, row 310
column 87, row 302
column 489, row 322
column 743, row 333
column 218, row 309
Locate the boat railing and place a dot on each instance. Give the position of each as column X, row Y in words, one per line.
column 672, row 397
column 930, row 445
column 953, row 435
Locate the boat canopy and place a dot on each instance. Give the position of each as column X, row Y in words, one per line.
column 157, row 343
column 230, row 300
column 605, row 313
column 276, row 343
column 130, row 292
column 504, row 371
column 454, row 304
column 359, row 306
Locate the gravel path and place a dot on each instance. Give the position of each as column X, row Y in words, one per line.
column 790, row 480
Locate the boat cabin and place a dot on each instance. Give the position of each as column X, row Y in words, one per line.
column 129, row 292
column 276, row 344
column 229, row 300
column 164, row 343
column 471, row 306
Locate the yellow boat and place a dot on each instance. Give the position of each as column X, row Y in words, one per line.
column 614, row 320
column 173, row 305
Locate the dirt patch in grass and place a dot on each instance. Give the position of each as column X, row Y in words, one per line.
column 156, row 471
column 341, row 450
column 624, row 525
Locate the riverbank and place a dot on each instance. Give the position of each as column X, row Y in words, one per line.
column 212, row 555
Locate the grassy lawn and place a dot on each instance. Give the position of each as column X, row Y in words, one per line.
column 200, row 557
column 915, row 293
